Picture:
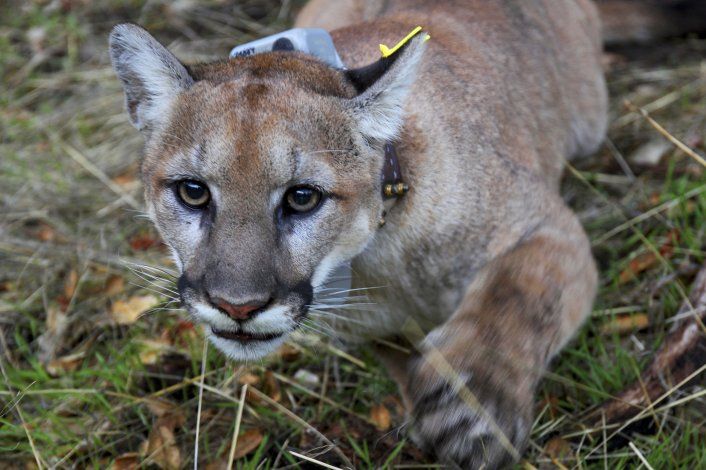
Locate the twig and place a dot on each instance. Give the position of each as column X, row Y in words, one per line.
column 682, row 353
column 648, row 214
column 323, row 398
column 303, row 423
column 35, row 452
column 681, row 145
column 324, row 383
column 236, row 430
column 346, row 356
column 309, row 459
column 89, row 166
column 640, row 456
column 198, row 412
column 657, row 104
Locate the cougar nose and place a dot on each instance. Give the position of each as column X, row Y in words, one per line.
column 238, row 312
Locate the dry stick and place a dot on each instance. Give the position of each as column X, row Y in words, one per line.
column 640, row 456
column 204, row 353
column 346, row 356
column 275, row 464
column 37, row 458
column 79, row 158
column 645, row 215
column 657, row 104
column 638, row 416
column 682, row 353
column 25, row 426
column 236, row 430
column 324, row 382
column 303, row 423
column 323, row 398
column 681, row 145
column 312, row 460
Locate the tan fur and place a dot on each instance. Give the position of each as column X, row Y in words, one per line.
column 481, row 255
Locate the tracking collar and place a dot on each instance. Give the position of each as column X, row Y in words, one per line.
column 318, row 42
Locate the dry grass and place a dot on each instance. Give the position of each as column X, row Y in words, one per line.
column 79, row 389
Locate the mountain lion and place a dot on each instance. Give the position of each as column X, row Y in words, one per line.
column 263, row 175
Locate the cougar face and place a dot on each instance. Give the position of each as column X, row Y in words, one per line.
column 262, row 175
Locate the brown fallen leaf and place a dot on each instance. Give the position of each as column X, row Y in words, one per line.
column 64, row 364
column 271, row 386
column 557, row 448
column 393, row 403
column 640, row 263
column 380, row 416
column 45, row 233
column 70, row 284
column 623, row 324
column 56, row 319
column 128, row 179
column 652, row 200
column 50, row 341
column 248, row 378
column 645, row 261
column 114, row 285
column 182, row 334
column 145, row 241
column 128, row 461
column 162, row 448
column 552, row 405
column 126, row 312
column 152, row 350
column 161, row 407
column 252, row 398
column 248, row 442
column 288, row 352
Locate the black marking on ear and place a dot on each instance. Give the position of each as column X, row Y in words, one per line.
column 364, row 77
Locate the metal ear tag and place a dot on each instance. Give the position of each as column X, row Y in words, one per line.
column 391, row 176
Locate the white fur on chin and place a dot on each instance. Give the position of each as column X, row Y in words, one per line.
column 272, row 321
column 244, row 352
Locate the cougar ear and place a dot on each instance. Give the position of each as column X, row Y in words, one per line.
column 151, row 76
column 383, row 87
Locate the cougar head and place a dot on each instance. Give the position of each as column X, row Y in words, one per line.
column 262, row 174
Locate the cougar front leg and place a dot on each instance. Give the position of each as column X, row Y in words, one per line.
column 472, row 389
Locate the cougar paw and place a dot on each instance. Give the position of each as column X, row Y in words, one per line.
column 470, row 428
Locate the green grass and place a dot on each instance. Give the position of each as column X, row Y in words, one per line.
column 87, row 393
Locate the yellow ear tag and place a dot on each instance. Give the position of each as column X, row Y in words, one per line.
column 387, row 52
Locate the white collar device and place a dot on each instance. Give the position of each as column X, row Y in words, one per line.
column 313, row 41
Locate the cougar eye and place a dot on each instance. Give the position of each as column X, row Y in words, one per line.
column 193, row 194
column 302, row 199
